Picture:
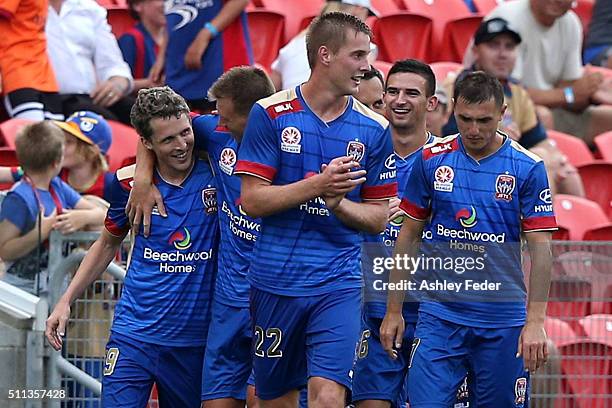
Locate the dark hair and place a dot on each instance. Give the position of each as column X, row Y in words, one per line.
column 158, row 102
column 39, row 145
column 479, row 87
column 134, row 13
column 244, row 85
column 415, row 67
column 374, row 73
column 330, row 30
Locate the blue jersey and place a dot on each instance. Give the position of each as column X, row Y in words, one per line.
column 481, row 207
column 307, row 250
column 238, row 231
column 232, row 47
column 167, row 293
column 403, row 166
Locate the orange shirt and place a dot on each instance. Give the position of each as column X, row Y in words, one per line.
column 24, row 62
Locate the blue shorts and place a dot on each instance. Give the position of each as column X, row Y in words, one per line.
column 444, row 352
column 228, row 359
column 377, row 376
column 131, row 367
column 296, row 338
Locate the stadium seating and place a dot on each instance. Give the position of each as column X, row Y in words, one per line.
column 385, row 7
column 443, row 69
column 269, row 28
column 8, row 157
column 570, row 300
column 383, row 67
column 577, row 215
column 484, row 7
column 575, row 149
column 294, row 12
column 9, row 130
column 598, row 327
column 401, row 36
column 584, row 10
column 456, row 37
column 604, row 145
column 440, row 12
column 120, row 20
column 599, row 234
column 125, row 142
column 596, row 178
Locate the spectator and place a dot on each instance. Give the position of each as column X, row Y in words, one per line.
column 140, row 44
column 28, row 81
column 598, row 43
column 39, row 199
column 371, row 91
column 204, row 40
column 88, row 138
column 291, row 66
column 495, row 52
column 550, row 66
column 437, row 118
column 87, row 61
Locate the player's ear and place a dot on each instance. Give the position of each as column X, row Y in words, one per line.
column 146, row 143
column 432, row 103
column 324, row 55
column 503, row 110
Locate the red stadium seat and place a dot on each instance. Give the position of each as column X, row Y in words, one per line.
column 604, row 145
column 575, row 149
column 559, row 332
column 8, row 158
column 456, row 37
column 596, row 178
column 125, row 142
column 443, row 69
column 9, row 130
column 440, row 12
column 584, row 10
column 561, row 234
column 266, row 29
column 569, row 300
column 294, row 12
column 599, row 233
column 577, row 215
column 484, row 7
column 385, row 7
column 383, row 67
column 120, row 20
column 401, row 36
column 598, row 327
column 107, row 3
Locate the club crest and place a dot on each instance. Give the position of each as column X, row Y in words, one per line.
column 504, row 186
column 209, row 199
column 356, row 150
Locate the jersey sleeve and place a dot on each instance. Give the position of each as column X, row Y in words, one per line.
column 259, row 153
column 381, row 180
column 15, row 210
column 116, row 221
column 416, row 200
column 127, row 45
column 536, row 202
column 203, row 130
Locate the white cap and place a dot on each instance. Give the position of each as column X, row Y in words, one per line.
column 363, row 3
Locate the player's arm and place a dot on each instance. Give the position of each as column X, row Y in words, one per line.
column 367, row 216
column 407, row 244
column 144, row 195
column 99, row 256
column 260, row 198
column 532, row 342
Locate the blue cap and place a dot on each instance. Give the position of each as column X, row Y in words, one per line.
column 89, row 127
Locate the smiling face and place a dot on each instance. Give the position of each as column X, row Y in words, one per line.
column 497, row 57
column 406, row 101
column 172, row 142
column 347, row 66
column 477, row 123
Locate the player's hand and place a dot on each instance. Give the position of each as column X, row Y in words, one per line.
column 332, row 202
column 56, row 325
column 392, row 333
column 193, row 56
column 532, row 346
column 394, row 208
column 143, row 198
column 107, row 93
column 70, row 221
column 337, row 177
